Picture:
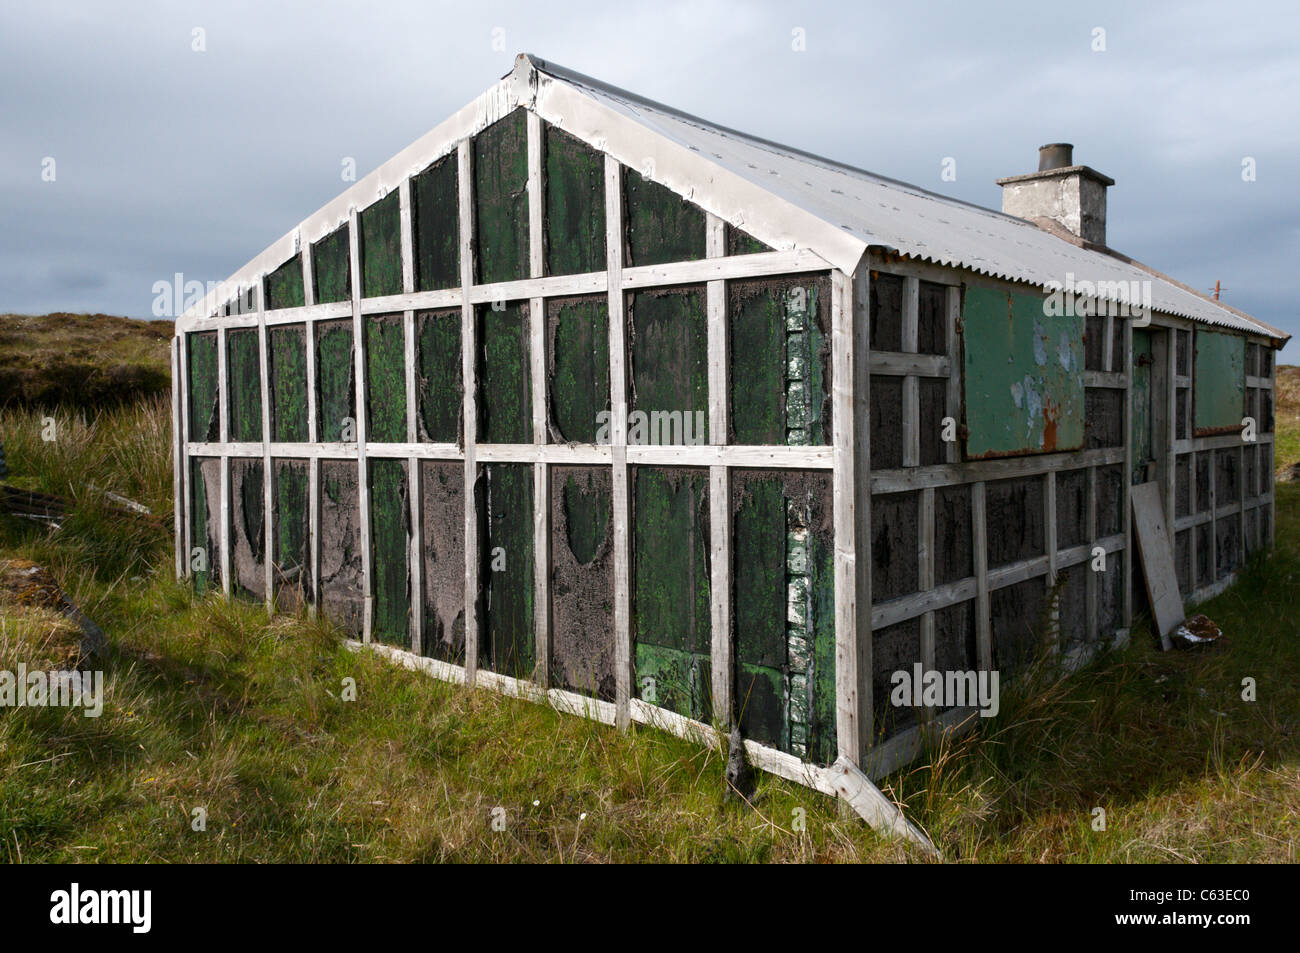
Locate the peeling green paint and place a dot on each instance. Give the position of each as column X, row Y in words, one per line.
column 435, row 211
column 780, row 362
column 284, row 286
column 205, row 388
column 385, row 378
column 288, row 368
column 661, row 225
column 669, row 353
column 381, row 247
column 1024, row 375
column 205, row 565
column 389, row 547
column 501, row 199
column 291, row 526
column 336, row 392
column 575, row 205
column 1219, row 384
column 439, row 375
column 331, row 267
column 671, row 589
column 243, row 367
column 505, row 388
column 579, row 352
column 247, row 529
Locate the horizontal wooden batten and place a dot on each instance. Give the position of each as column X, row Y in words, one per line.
column 1114, row 379
column 974, row 471
column 896, row 364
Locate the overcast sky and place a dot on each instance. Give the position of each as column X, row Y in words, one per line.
column 168, row 159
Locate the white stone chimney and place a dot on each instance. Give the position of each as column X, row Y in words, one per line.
column 1072, row 196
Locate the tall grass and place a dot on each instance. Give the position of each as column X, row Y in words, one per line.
column 211, row 705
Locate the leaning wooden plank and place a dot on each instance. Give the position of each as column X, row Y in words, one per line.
column 870, row 803
column 1157, row 560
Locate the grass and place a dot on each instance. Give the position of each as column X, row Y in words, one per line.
column 81, row 360
column 208, row 705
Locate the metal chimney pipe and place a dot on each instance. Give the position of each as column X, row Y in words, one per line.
column 1055, row 155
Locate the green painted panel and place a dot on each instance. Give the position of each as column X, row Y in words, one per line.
column 381, row 247
column 1141, row 435
column 435, row 208
column 670, row 589
column 661, row 225
column 1024, row 375
column 506, row 642
column 335, row 374
column 740, row 242
column 579, row 350
column 243, row 367
column 291, row 550
column 505, row 381
column 669, row 358
column 439, row 383
column 331, row 267
column 501, row 199
column 288, row 358
column 248, row 528
column 575, row 205
column 783, row 566
column 205, row 388
column 284, row 286
column 389, row 547
column 1219, row 385
column 385, row 379
column 780, row 362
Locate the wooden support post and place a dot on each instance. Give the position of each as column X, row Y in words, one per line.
column 911, row 422
column 537, row 364
column 980, row 552
column 850, row 416
column 952, row 448
column 1049, row 537
column 1127, row 482
column 181, row 392
column 469, row 375
column 1091, row 583
column 223, row 411
column 362, row 426
column 720, row 592
column 414, row 495
column 925, row 559
column 268, row 477
column 623, row 663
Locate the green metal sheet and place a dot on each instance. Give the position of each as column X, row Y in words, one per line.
column 1219, row 385
column 505, row 388
column 204, row 386
column 1024, row 375
column 670, row 589
column 243, row 368
column 439, row 381
column 435, row 207
column 579, row 352
column 284, row 286
column 575, row 205
column 661, row 225
column 336, row 392
column 385, row 378
column 381, row 247
column 288, row 359
column 501, row 199
column 669, row 358
column 331, row 267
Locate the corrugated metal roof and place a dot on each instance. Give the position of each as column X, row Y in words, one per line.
column 905, row 218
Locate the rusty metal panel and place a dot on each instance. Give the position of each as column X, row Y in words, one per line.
column 1219, row 385
column 1024, row 375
